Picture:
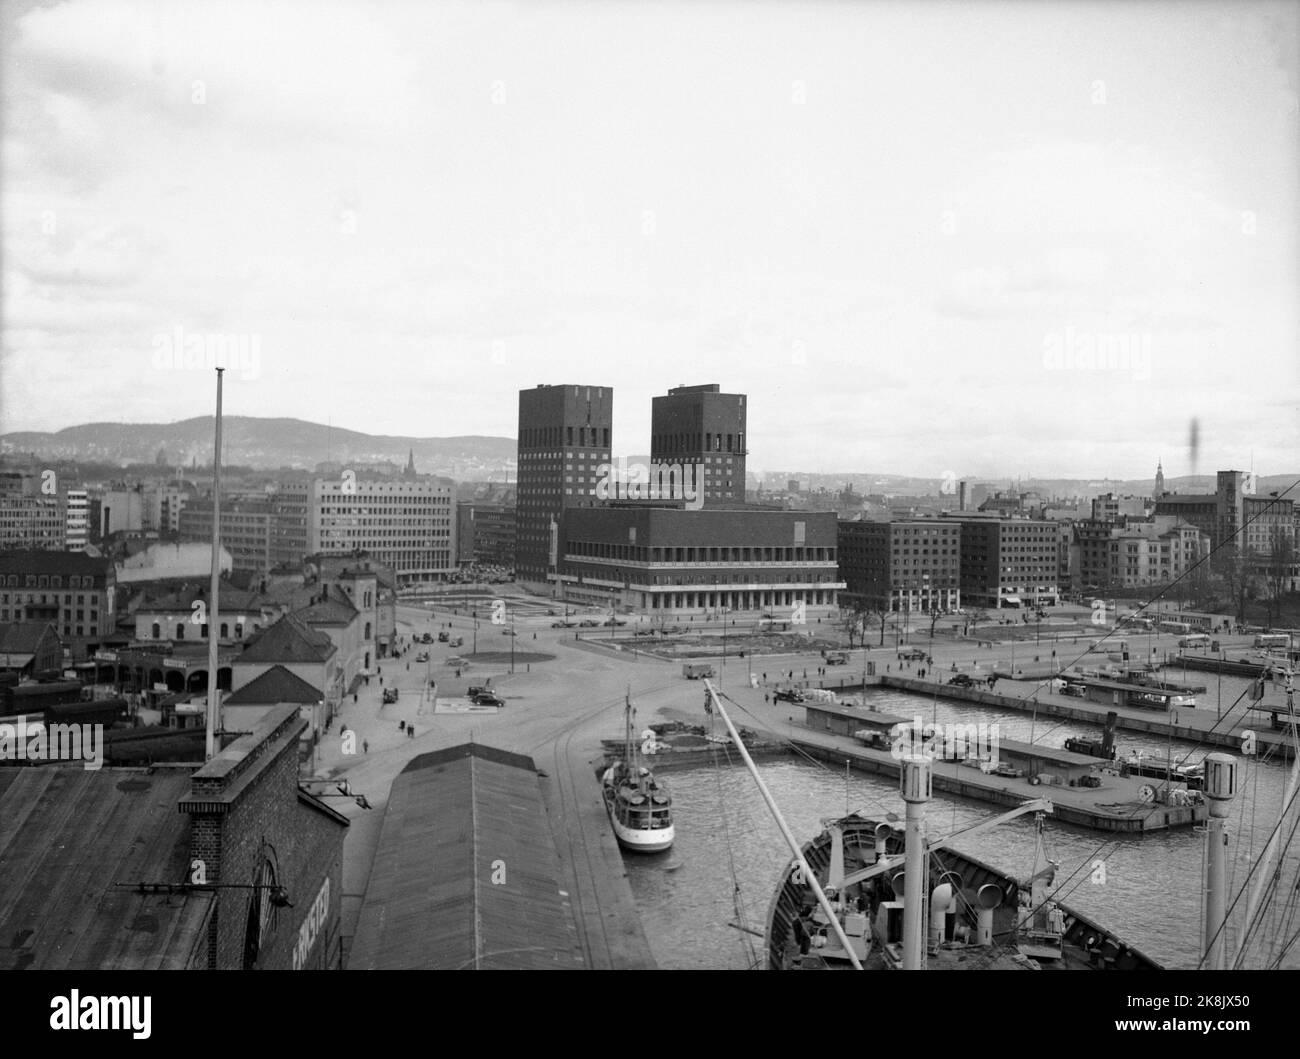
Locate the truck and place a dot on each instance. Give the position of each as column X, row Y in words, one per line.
column 837, row 658
column 697, row 670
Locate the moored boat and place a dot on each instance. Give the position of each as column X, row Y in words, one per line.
column 639, row 806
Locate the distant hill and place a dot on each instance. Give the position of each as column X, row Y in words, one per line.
column 265, row 443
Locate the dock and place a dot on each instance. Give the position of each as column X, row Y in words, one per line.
column 1113, row 807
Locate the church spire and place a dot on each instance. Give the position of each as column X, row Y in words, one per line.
column 410, row 465
column 1160, row 480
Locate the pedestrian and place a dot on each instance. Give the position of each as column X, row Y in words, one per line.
column 381, row 682
column 365, row 746
column 765, row 697
column 408, row 667
column 410, row 731
column 354, row 696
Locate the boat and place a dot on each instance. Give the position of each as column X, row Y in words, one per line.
column 867, row 894
column 639, row 806
column 981, row 918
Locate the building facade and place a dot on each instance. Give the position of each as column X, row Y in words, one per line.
column 902, row 564
column 72, row 591
column 1008, row 562
column 407, row 525
column 700, row 425
column 671, row 561
column 564, row 438
column 32, row 522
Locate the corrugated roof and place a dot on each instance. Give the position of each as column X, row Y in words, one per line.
column 68, row 836
column 288, row 640
column 276, row 685
column 454, row 819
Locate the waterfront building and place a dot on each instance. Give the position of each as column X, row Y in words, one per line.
column 670, row 561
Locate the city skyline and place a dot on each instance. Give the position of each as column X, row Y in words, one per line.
column 920, row 239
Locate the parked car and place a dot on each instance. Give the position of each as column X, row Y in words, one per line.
column 788, row 696
column 456, row 660
column 961, row 680
column 423, row 656
column 486, row 698
column 457, row 641
column 615, row 621
column 426, row 638
column 559, row 625
column 587, row 623
column 443, row 636
column 390, row 695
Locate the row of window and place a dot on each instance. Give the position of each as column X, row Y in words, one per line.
column 49, row 581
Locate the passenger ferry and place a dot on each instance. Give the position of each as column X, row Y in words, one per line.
column 639, row 807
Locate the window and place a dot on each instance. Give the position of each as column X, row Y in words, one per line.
column 180, row 630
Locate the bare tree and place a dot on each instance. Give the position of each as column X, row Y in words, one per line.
column 1281, row 559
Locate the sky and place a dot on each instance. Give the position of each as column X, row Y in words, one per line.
column 988, row 239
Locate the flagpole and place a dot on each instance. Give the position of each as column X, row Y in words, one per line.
column 214, row 709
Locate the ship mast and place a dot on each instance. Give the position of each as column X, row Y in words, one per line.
column 807, row 871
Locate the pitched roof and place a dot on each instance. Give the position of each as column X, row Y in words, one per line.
column 71, row 838
column 23, row 637
column 289, row 640
column 34, row 561
column 334, row 609
column 229, row 598
column 276, row 685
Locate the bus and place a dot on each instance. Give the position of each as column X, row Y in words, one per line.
column 1196, row 639
column 1180, row 627
column 1273, row 639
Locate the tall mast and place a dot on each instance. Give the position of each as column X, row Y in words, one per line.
column 790, row 840
column 214, row 709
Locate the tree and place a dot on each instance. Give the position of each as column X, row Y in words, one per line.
column 1278, row 574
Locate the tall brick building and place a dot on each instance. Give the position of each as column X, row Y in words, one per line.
column 564, row 437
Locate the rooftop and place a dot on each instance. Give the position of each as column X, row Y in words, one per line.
column 466, row 871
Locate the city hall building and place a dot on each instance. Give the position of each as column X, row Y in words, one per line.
column 669, row 560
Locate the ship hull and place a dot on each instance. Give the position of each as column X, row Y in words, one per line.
column 1086, row 943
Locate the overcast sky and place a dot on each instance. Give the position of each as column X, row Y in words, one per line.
column 899, row 228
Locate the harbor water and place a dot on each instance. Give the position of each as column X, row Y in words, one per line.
column 699, row 901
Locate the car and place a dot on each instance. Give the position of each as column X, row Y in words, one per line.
column 390, row 695
column 426, row 638
column 443, row 636
column 961, row 680
column 559, row 625
column 456, row 660
column 788, row 696
column 486, row 698
column 475, row 689
column 457, row 642
column 615, row 621
column 587, row 623
column 423, row 656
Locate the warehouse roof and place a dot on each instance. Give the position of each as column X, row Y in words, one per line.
column 466, row 871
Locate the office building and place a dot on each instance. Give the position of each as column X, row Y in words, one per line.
column 700, row 425
column 902, row 565
column 670, row 561
column 1008, row 562
column 564, row 438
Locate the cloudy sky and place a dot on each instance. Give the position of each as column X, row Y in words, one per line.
column 987, row 239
